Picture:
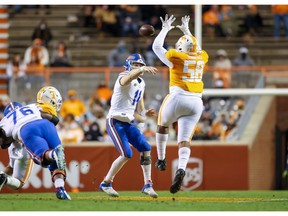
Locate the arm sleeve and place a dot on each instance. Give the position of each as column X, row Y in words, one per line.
column 187, row 32
column 158, row 48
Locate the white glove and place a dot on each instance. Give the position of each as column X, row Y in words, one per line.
column 185, row 25
column 166, row 24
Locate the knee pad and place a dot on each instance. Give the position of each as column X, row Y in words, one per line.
column 145, row 160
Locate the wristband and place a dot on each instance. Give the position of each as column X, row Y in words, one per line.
column 143, row 113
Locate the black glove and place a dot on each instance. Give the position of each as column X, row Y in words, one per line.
column 5, row 141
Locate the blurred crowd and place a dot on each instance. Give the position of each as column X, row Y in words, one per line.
column 82, row 120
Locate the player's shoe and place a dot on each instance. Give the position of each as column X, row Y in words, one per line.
column 108, row 189
column 148, row 190
column 62, row 194
column 161, row 164
column 3, row 179
column 59, row 156
column 178, row 179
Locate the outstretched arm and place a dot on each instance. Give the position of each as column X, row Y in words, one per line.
column 158, row 43
column 135, row 73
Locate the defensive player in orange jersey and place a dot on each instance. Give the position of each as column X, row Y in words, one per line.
column 184, row 103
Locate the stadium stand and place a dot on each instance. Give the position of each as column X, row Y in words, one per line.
column 90, row 50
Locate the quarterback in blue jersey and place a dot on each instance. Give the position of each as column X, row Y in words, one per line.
column 127, row 106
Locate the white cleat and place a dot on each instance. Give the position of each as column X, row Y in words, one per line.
column 148, row 190
column 108, row 189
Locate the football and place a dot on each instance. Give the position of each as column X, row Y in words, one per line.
column 146, row 30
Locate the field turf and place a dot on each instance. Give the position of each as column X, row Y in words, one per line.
column 136, row 201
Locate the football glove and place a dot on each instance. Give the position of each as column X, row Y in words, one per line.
column 167, row 23
column 5, row 141
column 184, row 27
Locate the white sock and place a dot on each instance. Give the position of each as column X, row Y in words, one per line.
column 115, row 168
column 146, row 173
column 13, row 183
column 161, row 141
column 183, row 155
column 59, row 182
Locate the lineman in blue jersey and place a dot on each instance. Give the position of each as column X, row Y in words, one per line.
column 41, row 140
column 20, row 163
column 127, row 106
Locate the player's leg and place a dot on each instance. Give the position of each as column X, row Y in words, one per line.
column 117, row 132
column 106, row 184
column 58, row 167
column 145, row 161
column 191, row 111
column 8, row 171
column 22, row 170
column 165, row 118
column 19, row 169
column 138, row 141
column 43, row 144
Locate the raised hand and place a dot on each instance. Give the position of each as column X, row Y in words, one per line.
column 184, row 27
column 167, row 23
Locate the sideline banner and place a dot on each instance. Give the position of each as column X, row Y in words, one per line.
column 212, row 167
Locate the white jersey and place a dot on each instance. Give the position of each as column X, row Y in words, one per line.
column 14, row 120
column 125, row 98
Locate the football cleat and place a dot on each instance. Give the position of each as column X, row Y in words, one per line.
column 108, row 189
column 178, row 179
column 148, row 190
column 3, row 179
column 161, row 164
column 59, row 156
column 62, row 194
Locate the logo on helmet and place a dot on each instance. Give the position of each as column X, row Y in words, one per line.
column 187, row 44
column 134, row 58
column 50, row 95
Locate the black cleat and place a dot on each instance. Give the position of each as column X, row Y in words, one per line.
column 161, row 164
column 178, row 179
column 3, row 179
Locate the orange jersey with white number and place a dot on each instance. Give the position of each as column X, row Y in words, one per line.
column 187, row 71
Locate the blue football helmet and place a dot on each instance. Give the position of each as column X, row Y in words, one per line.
column 134, row 58
column 11, row 106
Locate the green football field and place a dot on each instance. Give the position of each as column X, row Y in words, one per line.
column 136, row 201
